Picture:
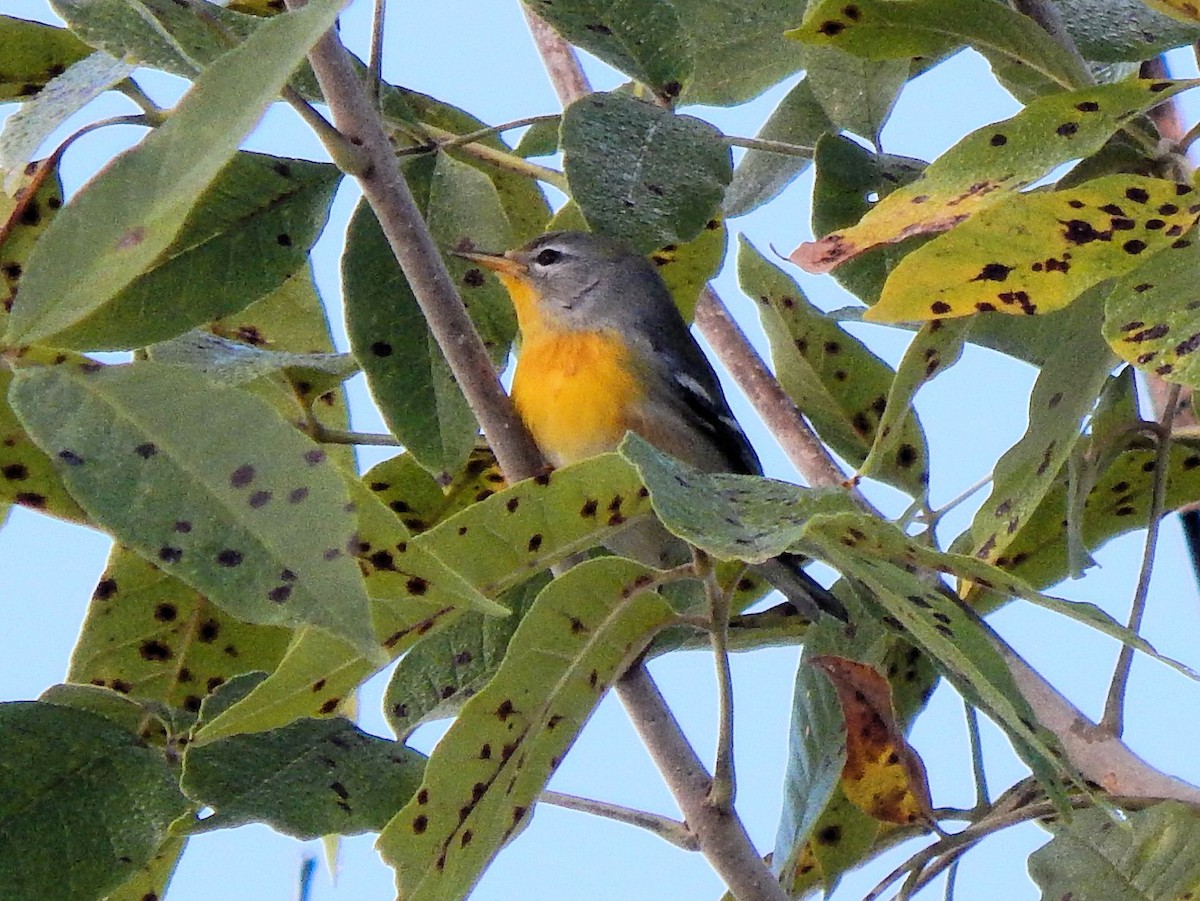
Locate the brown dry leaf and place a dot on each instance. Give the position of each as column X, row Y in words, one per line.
column 883, row 775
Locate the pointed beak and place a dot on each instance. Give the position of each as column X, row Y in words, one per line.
column 500, row 263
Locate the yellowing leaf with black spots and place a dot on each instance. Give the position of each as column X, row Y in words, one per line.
column 686, row 268
column 27, row 206
column 34, row 53
column 1037, row 252
column 985, row 167
column 515, row 533
column 1152, row 316
column 841, row 386
column 883, row 776
column 27, row 476
column 485, row 775
column 149, row 635
column 1019, row 50
column 260, row 526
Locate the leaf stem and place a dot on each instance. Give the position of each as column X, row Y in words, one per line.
column 780, row 147
column 1113, row 721
column 324, row 435
column 499, row 158
column 345, row 155
column 982, row 795
column 673, row 831
column 724, row 783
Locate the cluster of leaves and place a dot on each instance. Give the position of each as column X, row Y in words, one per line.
column 257, row 578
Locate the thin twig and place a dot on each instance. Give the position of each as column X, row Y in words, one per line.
column 982, row 795
column 385, row 190
column 1113, row 721
column 325, row 435
column 345, row 155
column 154, row 113
column 501, row 159
column 480, row 134
column 724, row 783
column 375, row 60
column 667, row 829
column 781, row 147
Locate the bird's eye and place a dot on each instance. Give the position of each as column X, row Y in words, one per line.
column 548, row 256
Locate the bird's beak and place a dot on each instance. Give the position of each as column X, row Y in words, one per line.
column 500, row 263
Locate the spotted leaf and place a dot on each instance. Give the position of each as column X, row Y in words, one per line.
column 406, row 371
column 1037, row 252
column 307, row 779
column 120, row 223
column 1009, row 155
column 1152, row 316
column 1065, row 392
column 485, row 776
column 259, row 526
column 841, row 386
column 1019, row 50
column 34, row 53
column 883, row 775
column 149, row 635
column 641, row 172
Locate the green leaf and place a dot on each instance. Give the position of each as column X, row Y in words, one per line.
column 641, row 172
column 534, row 524
column 1010, row 155
column 152, row 879
column 487, row 772
column 761, row 175
column 231, row 363
column 406, row 371
column 1065, row 392
column 964, row 648
column 259, row 526
column 1152, row 853
column 106, row 799
column 306, row 780
column 850, row 180
column 841, row 386
column 1123, row 30
column 1150, row 319
column 62, row 97
column 1014, row 44
column 249, row 231
column 641, row 38
column 1038, row 252
column 687, row 268
column 33, row 55
column 25, row 213
column 116, row 227
column 148, row 635
column 540, row 139
column 175, row 39
column 27, row 477
column 435, row 678
column 732, row 517
column 856, row 94
column 738, row 47
column 1118, row 503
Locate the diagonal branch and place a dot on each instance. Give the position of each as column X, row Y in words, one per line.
column 356, row 117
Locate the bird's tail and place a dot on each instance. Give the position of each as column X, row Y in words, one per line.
column 786, row 573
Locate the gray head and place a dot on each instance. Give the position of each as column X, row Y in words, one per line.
column 581, row 281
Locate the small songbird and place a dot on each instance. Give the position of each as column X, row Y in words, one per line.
column 605, row 351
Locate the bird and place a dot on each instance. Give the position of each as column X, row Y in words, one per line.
column 605, row 351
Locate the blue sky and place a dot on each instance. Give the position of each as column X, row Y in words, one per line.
column 477, row 54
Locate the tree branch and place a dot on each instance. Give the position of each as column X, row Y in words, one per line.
column 722, row 836
column 356, row 117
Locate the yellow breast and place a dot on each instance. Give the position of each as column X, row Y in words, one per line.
column 575, row 392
